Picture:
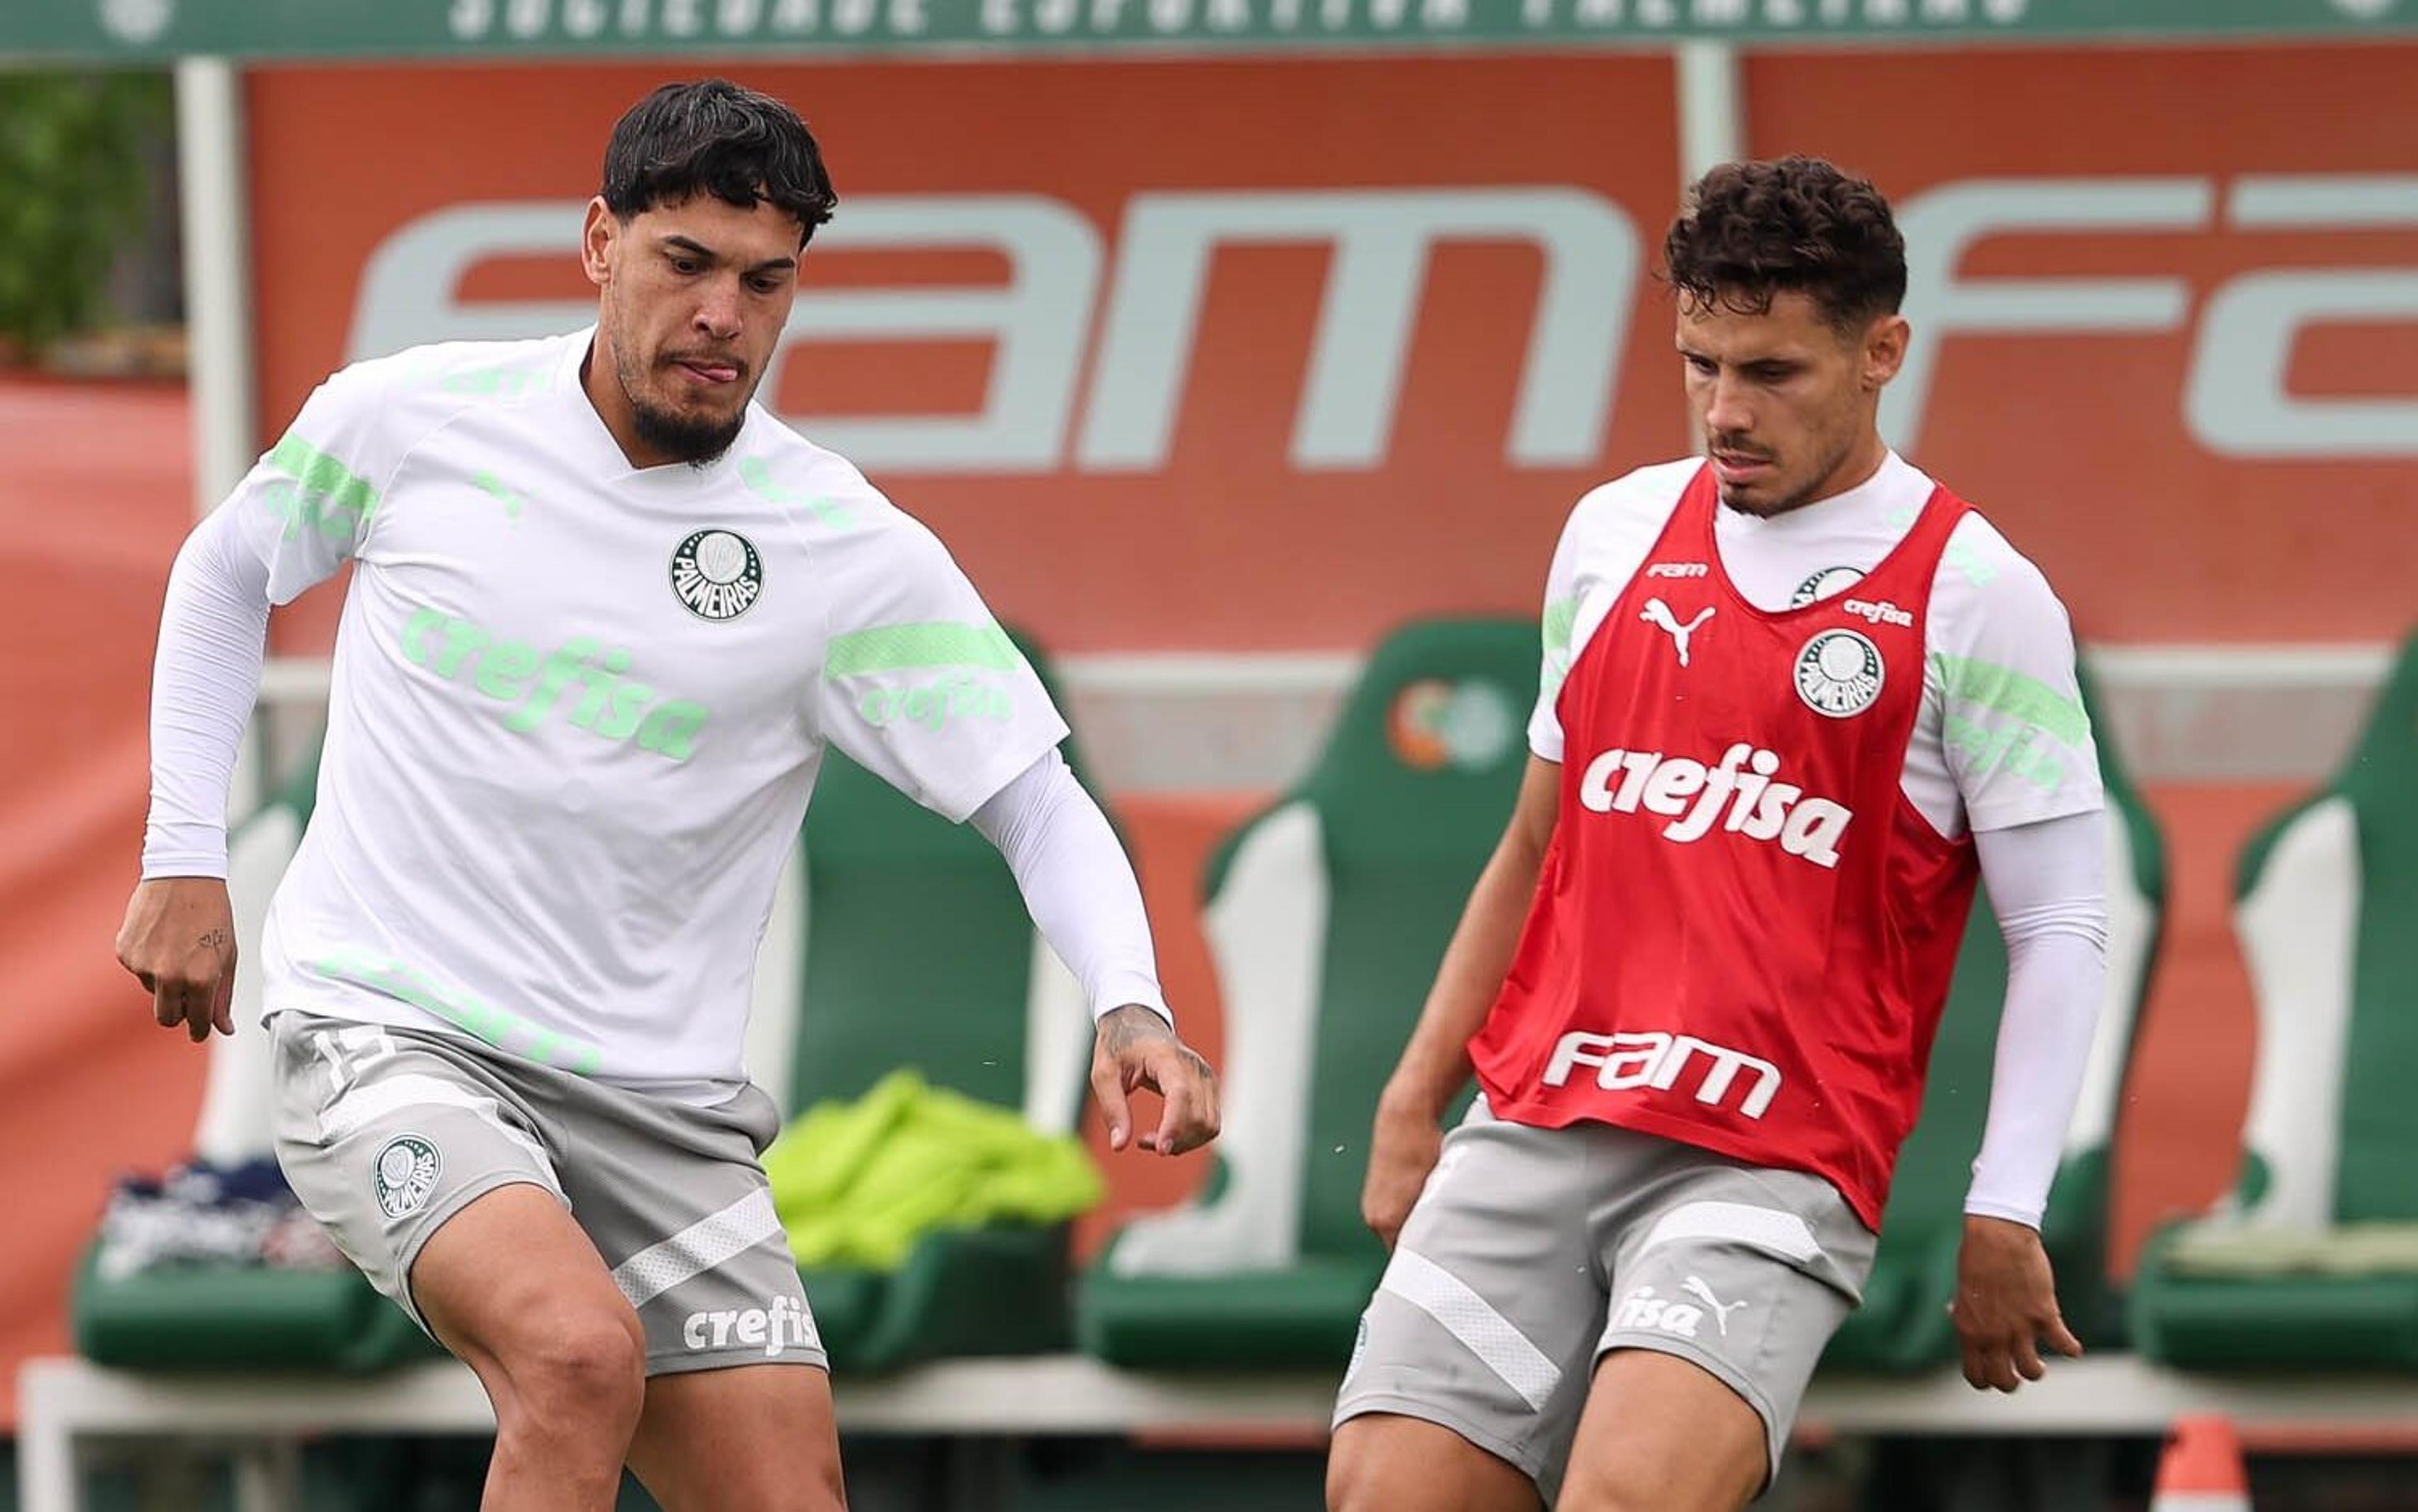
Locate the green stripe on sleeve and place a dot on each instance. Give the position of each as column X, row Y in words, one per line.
column 324, row 477
column 1561, row 615
column 909, row 648
column 1987, row 686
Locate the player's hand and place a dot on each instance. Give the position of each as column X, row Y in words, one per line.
column 2006, row 1306
column 1136, row 1049
column 1402, row 1149
column 179, row 940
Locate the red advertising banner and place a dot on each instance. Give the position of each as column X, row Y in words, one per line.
column 1227, row 355
column 2167, row 309
column 1255, row 354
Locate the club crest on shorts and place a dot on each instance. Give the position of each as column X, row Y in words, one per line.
column 405, row 1174
column 718, row 574
column 1839, row 673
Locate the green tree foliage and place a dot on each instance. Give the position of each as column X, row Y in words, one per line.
column 74, row 180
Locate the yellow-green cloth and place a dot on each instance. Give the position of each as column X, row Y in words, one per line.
column 2223, row 1249
column 858, row 1184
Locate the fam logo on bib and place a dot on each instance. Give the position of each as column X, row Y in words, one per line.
column 718, row 574
column 405, row 1174
column 1839, row 673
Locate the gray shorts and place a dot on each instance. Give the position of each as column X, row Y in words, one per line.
column 385, row 1133
column 1534, row 1252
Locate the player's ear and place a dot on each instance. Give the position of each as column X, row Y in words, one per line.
column 597, row 235
column 1884, row 348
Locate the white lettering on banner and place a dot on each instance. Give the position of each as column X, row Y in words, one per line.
column 692, row 21
column 2236, row 402
column 1382, row 241
column 1040, row 324
column 1036, row 322
column 677, row 21
column 1654, row 1059
column 1939, row 225
column 2234, row 397
column 1759, row 808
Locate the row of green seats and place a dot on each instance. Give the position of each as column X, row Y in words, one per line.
column 1326, row 915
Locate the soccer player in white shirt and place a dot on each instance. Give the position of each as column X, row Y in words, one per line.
column 605, row 614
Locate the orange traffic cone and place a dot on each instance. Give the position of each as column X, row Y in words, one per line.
column 2203, row 1468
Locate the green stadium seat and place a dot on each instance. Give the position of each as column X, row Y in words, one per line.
column 2312, row 1260
column 901, row 940
column 1327, row 915
column 241, row 1318
column 1903, row 1324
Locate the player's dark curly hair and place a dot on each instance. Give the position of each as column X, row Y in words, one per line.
column 713, row 137
column 1752, row 230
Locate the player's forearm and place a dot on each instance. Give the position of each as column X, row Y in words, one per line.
column 205, row 677
column 1078, row 884
column 1436, row 1065
column 2047, row 880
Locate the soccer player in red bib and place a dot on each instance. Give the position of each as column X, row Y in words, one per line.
column 1798, row 698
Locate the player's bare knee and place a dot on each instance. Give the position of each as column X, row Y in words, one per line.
column 579, row 1364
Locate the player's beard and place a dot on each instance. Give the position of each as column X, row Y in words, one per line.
column 1803, row 494
column 697, row 440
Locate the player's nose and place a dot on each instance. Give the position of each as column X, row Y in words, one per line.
column 1727, row 413
column 718, row 311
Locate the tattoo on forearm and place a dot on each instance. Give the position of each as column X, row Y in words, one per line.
column 215, row 939
column 1123, row 1028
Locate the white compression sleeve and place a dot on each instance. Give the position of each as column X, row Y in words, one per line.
column 205, row 679
column 2048, row 884
column 1078, row 884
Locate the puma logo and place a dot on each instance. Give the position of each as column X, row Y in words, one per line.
column 1658, row 615
column 1703, row 1294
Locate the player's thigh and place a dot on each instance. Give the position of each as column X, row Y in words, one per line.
column 680, row 1208
column 425, row 1169
column 1484, row 1325
column 756, row 1438
column 1662, row 1433
column 1386, row 1462
column 1725, row 1290
column 513, row 1286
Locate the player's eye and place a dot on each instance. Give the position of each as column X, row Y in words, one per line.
column 765, row 283
column 687, row 267
column 1700, row 364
